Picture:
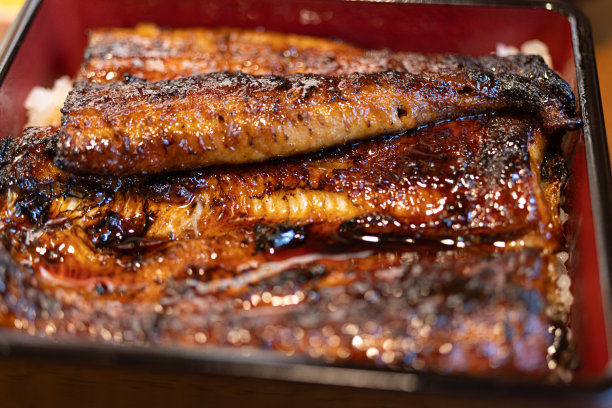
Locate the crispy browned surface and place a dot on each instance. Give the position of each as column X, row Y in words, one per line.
column 467, row 313
column 146, row 52
column 126, row 259
column 386, row 310
column 428, row 249
column 474, row 178
column 477, row 179
column 132, row 259
column 152, row 54
column 254, row 118
column 234, row 118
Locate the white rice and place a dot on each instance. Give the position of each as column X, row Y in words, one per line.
column 43, row 104
column 533, row 47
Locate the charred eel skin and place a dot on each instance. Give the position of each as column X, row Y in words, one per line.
column 152, row 54
column 103, row 257
column 229, row 118
column 469, row 178
column 263, row 262
column 374, row 308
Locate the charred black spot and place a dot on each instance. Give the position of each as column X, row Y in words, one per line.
column 554, row 169
column 34, row 206
column 483, row 79
column 109, row 230
column 505, row 155
column 534, row 68
column 5, row 151
column 522, row 93
column 278, row 236
column 122, row 234
column 376, row 228
column 283, row 84
column 128, row 79
column 100, row 288
column 51, row 145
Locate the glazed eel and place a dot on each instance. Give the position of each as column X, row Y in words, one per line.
column 228, row 118
column 424, row 249
column 456, row 311
column 152, row 54
column 262, row 260
column 461, row 184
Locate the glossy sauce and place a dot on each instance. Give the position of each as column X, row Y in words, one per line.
column 431, row 249
column 108, row 258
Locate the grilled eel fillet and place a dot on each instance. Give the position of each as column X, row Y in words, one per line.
column 279, row 255
column 483, row 314
column 146, row 52
column 476, row 178
column 461, row 184
column 227, row 118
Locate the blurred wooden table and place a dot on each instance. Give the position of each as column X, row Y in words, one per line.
column 8, row 11
column 600, row 14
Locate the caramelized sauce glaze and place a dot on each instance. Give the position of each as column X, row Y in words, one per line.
column 428, row 246
column 397, row 278
column 149, row 53
column 229, row 118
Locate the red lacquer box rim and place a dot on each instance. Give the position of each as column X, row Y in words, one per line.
column 271, row 367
